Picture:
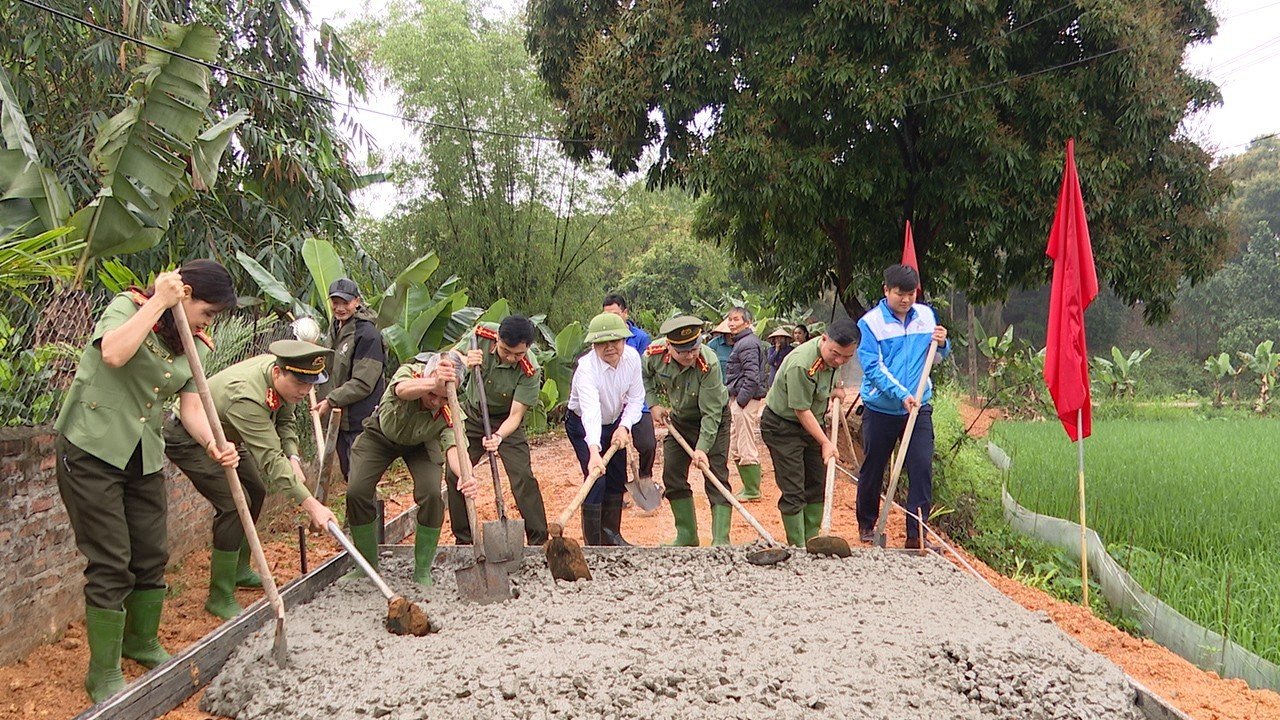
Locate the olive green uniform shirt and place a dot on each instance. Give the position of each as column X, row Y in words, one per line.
column 803, row 382
column 109, row 411
column 407, row 422
column 503, row 383
column 254, row 415
column 694, row 393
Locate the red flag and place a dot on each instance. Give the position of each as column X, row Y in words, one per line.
column 909, row 258
column 1075, row 285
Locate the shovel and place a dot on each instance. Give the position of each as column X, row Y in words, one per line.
column 564, row 555
column 643, row 489
column 279, row 648
column 771, row 555
column 503, row 539
column 326, row 450
column 901, row 456
column 482, row 582
column 403, row 617
column 824, row 543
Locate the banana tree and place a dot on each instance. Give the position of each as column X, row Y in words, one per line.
column 1264, row 363
column 1220, row 369
column 1120, row 372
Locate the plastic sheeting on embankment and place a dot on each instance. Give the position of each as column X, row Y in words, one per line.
column 1202, row 647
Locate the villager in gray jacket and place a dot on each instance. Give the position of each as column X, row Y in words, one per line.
column 746, row 378
column 359, row 360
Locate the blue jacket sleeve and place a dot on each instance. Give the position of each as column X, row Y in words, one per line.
column 874, row 371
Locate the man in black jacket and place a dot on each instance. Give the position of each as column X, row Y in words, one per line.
column 360, row 356
column 745, row 377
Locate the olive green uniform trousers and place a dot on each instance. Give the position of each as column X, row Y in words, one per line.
column 119, row 520
column 675, row 461
column 797, row 462
column 210, row 480
column 371, row 454
column 514, row 452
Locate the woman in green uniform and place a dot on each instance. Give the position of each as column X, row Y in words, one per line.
column 109, row 455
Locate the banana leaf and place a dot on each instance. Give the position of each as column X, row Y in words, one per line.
column 325, row 266
column 273, row 287
column 392, row 303
column 30, row 195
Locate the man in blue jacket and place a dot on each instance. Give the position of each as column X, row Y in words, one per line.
column 642, row 434
column 896, row 335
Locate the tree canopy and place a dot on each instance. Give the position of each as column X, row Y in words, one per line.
column 813, row 130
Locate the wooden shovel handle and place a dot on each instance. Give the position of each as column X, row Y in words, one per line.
column 359, row 560
column 901, row 457
column 464, row 467
column 715, row 482
column 233, row 478
column 829, row 491
column 587, row 483
column 317, row 427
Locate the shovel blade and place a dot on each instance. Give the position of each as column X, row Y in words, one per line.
column 768, row 556
column 503, row 542
column 483, row 583
column 646, row 494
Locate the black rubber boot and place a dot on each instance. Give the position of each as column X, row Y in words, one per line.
column 591, row 524
column 611, row 521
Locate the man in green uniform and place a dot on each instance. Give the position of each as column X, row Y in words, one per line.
column 256, row 401
column 413, row 422
column 512, row 381
column 793, row 421
column 686, row 392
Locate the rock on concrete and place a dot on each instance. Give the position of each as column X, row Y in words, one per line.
column 681, row 633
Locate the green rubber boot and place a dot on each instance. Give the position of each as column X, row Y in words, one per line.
column 794, row 526
column 222, row 584
column 365, row 538
column 686, row 523
column 750, row 475
column 104, row 628
column 245, row 576
column 721, row 519
column 425, row 541
column 812, row 519
column 141, row 622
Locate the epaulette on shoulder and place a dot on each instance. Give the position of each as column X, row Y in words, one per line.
column 526, row 367
column 487, row 333
column 656, row 349
column 138, row 296
column 817, row 366
column 203, row 337
column 274, row 401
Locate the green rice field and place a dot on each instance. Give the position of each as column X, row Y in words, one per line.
column 1198, row 500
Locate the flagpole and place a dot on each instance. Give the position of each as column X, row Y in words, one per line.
column 1084, row 549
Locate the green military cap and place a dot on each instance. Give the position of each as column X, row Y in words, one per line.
column 682, row 333
column 607, row 327
column 308, row 361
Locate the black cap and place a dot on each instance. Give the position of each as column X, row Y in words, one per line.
column 307, row 361
column 344, row 288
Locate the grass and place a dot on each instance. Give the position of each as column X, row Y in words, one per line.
column 1187, row 504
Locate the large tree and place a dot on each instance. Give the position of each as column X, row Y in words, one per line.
column 815, row 129
column 287, row 176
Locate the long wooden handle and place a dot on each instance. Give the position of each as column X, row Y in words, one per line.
column 317, row 427
column 488, row 432
column 901, row 456
column 363, row 564
column 464, row 468
column 829, row 492
column 330, row 444
column 715, row 482
column 587, row 483
column 233, row 478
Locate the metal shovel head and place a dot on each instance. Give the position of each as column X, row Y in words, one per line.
column 645, row 492
column 503, row 542
column 828, row 545
column 483, row 583
column 768, row 556
column 280, row 646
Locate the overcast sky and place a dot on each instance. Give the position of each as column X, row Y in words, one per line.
column 1243, row 59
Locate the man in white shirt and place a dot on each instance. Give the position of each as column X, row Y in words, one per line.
column 605, row 401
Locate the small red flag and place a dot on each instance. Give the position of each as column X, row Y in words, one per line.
column 909, row 258
column 1075, row 285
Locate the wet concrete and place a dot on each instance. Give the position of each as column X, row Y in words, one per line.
column 681, row 633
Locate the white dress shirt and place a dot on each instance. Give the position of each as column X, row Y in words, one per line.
column 600, row 394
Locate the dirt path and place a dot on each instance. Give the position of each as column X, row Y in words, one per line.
column 46, row 684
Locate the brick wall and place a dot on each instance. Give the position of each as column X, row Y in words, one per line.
column 41, row 572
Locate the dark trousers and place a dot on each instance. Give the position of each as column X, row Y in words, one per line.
column 797, row 462
column 371, row 455
column 614, row 481
column 514, row 453
column 210, row 480
column 346, row 438
column 118, row 517
column 880, row 432
column 645, row 441
column 676, row 462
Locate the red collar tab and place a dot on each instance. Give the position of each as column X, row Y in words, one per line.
column 817, row 367
column 527, row 367
column 274, row 401
column 448, row 416
column 702, row 364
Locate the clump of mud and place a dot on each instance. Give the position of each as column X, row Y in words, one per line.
column 681, row 633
